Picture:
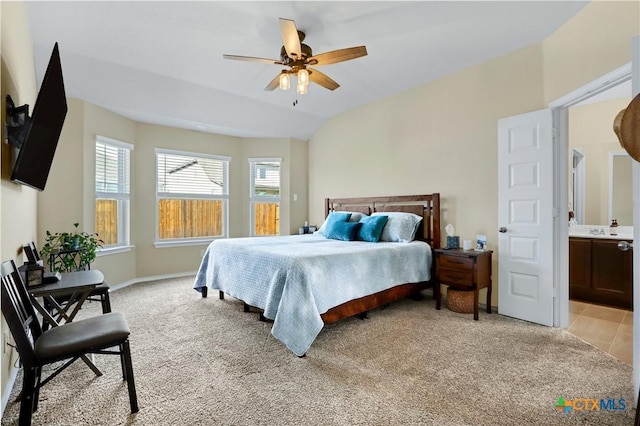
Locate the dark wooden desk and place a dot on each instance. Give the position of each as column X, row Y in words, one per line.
column 74, row 287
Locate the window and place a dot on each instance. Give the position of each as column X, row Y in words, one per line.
column 192, row 197
column 265, row 196
column 112, row 191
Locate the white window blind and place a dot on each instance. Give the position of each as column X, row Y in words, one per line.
column 192, row 175
column 192, row 197
column 112, row 169
column 113, row 188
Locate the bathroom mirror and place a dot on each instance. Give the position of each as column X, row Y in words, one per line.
column 620, row 188
column 600, row 181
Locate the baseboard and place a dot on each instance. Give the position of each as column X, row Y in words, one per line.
column 147, row 279
column 7, row 390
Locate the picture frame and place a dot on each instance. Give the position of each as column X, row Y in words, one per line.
column 34, row 275
column 481, row 243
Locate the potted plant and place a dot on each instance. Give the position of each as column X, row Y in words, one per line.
column 70, row 251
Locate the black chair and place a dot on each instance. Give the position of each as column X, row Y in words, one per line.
column 104, row 334
column 31, row 252
column 99, row 294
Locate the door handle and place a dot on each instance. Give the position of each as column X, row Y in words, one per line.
column 624, row 246
column 502, row 229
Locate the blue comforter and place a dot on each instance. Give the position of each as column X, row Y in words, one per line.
column 295, row 279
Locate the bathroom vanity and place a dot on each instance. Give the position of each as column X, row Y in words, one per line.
column 599, row 272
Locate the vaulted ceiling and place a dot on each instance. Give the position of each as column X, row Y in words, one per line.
column 161, row 61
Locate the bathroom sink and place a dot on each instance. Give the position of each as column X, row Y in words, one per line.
column 601, row 232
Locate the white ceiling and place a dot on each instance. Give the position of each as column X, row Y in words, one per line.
column 161, row 62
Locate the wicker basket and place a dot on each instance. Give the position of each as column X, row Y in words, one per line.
column 460, row 301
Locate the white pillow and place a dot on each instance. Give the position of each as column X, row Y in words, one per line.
column 400, row 227
column 355, row 217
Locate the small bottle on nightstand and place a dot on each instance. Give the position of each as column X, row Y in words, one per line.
column 613, row 229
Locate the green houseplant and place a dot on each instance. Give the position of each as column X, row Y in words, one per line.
column 70, row 251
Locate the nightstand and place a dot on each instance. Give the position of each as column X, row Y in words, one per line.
column 464, row 270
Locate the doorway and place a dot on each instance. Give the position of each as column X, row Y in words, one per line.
column 600, row 294
column 561, row 163
column 560, row 109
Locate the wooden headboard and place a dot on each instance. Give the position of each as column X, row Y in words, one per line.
column 427, row 206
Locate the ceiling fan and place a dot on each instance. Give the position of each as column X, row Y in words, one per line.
column 299, row 57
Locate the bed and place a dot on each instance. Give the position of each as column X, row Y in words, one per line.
column 302, row 282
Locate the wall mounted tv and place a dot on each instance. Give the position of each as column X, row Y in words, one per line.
column 36, row 137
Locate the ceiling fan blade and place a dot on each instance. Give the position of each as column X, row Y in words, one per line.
column 252, row 59
column 273, row 83
column 322, row 79
column 290, row 38
column 336, row 56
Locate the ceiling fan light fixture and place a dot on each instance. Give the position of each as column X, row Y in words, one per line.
column 297, row 56
column 285, row 81
column 303, row 77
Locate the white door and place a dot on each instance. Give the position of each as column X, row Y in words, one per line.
column 525, row 217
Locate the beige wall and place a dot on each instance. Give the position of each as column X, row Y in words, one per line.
column 622, row 192
column 595, row 42
column 591, row 131
column 440, row 137
column 18, row 203
column 70, row 189
column 293, row 178
column 299, row 165
column 100, row 122
column 152, row 261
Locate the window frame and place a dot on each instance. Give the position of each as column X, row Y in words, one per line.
column 123, row 199
column 176, row 242
column 262, row 199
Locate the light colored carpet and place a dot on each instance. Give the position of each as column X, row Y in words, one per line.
column 205, row 362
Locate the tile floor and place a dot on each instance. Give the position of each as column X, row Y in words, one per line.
column 606, row 328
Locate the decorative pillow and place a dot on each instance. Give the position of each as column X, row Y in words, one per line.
column 331, row 219
column 400, row 227
column 356, row 216
column 346, row 231
column 352, row 217
column 372, row 228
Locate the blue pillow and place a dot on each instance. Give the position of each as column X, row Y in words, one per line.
column 371, row 228
column 331, row 219
column 345, row 231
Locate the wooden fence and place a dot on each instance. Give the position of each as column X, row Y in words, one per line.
column 190, row 218
column 186, row 219
column 267, row 218
column 107, row 221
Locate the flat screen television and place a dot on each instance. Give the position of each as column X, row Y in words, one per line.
column 39, row 136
